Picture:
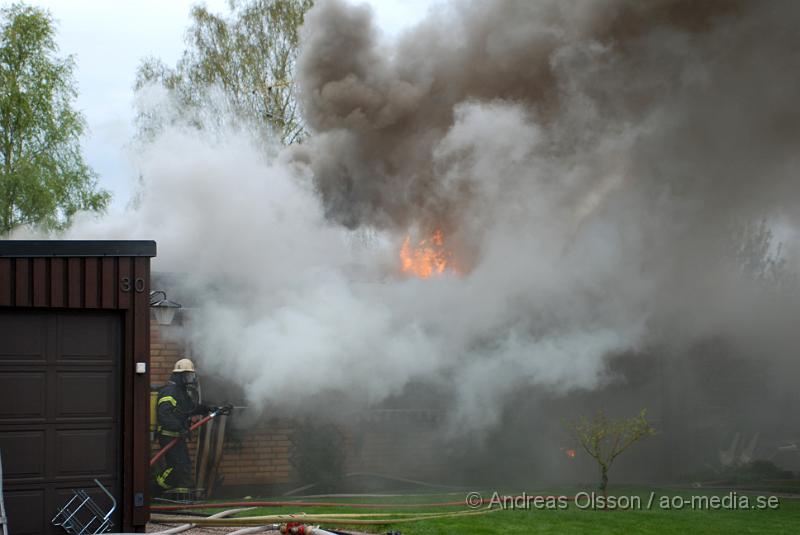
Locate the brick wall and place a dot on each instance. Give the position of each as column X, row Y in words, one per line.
column 258, row 454
column 163, row 354
column 252, row 454
column 398, row 443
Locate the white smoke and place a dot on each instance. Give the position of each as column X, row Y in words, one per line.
column 289, row 302
column 586, row 173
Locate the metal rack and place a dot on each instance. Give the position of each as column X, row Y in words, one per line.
column 82, row 516
column 3, row 519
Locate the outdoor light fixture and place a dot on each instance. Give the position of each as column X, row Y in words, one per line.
column 163, row 309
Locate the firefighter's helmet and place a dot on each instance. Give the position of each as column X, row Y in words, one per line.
column 184, row 365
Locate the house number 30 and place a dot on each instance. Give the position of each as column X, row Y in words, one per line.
column 138, row 284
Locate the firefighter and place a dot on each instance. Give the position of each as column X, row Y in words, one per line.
column 175, row 407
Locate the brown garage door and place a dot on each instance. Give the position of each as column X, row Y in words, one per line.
column 59, row 410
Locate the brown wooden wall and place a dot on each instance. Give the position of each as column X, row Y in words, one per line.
column 100, row 282
column 65, row 282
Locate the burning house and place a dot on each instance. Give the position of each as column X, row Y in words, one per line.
column 513, row 214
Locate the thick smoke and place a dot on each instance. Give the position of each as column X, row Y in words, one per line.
column 587, row 162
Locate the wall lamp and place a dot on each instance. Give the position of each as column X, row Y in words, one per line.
column 163, row 309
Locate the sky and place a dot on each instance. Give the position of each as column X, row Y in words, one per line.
column 110, row 38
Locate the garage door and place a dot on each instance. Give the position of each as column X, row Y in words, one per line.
column 60, row 395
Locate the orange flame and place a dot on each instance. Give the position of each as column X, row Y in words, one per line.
column 429, row 257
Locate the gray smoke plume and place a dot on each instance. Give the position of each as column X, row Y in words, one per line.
column 588, row 164
column 639, row 75
column 587, row 160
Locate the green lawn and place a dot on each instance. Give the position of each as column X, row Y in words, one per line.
column 783, row 520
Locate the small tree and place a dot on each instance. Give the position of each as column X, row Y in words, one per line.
column 605, row 439
column 43, row 178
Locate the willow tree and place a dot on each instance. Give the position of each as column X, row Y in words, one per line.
column 236, row 66
column 44, row 180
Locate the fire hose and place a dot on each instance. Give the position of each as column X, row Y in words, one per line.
column 217, row 411
column 298, row 528
column 251, row 503
column 255, row 529
column 290, row 528
column 336, row 519
column 186, row 527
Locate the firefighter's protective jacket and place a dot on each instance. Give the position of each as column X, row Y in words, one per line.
column 175, row 409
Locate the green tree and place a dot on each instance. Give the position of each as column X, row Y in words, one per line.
column 239, row 67
column 605, row 439
column 43, row 177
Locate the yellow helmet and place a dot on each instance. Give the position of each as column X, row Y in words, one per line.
column 184, row 365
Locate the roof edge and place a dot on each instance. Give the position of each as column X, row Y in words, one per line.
column 74, row 248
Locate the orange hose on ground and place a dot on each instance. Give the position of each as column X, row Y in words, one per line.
column 343, row 505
